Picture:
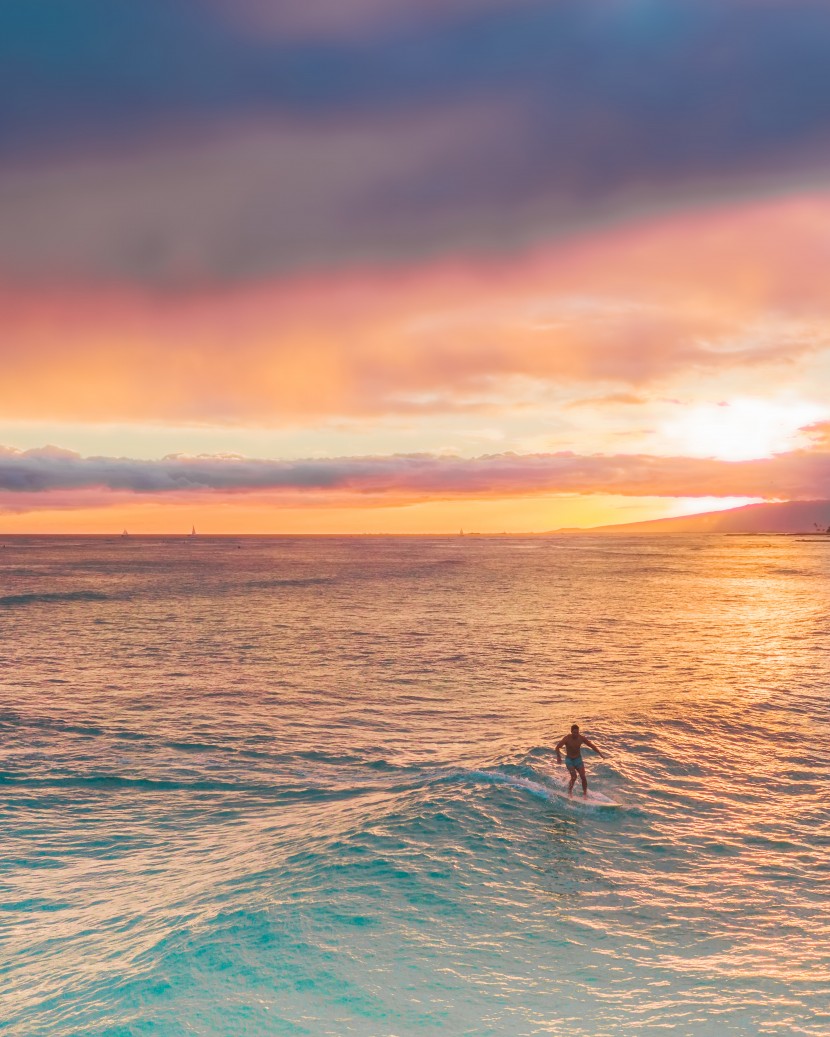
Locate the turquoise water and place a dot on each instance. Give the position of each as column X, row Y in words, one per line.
column 306, row 786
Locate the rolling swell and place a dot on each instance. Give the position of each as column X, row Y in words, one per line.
column 15, row 601
column 160, row 785
column 289, row 582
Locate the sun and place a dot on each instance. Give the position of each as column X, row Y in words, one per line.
column 741, row 429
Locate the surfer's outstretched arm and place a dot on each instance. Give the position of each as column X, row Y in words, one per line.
column 592, row 746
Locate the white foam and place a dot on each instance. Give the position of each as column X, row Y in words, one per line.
column 553, row 788
column 559, row 787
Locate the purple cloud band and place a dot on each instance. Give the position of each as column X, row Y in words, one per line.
column 207, row 150
column 796, row 475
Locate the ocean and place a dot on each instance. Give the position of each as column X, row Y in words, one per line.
column 306, row 786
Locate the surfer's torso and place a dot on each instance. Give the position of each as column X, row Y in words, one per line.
column 573, row 747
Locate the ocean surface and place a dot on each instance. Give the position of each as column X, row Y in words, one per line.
column 284, row 786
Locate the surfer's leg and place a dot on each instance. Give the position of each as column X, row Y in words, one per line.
column 572, row 772
column 584, row 781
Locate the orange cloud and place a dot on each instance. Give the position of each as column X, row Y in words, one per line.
column 706, row 292
column 819, row 434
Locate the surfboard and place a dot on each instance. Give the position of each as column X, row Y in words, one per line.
column 550, row 787
column 559, row 786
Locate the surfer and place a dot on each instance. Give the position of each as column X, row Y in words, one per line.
column 573, row 756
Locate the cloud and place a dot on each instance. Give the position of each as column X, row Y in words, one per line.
column 348, row 19
column 818, row 433
column 625, row 311
column 209, row 151
column 407, row 478
column 252, row 198
column 625, row 399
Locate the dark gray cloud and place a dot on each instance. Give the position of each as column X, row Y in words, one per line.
column 110, row 65
column 596, row 106
column 796, row 475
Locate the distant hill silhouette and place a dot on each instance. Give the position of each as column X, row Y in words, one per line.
column 788, row 517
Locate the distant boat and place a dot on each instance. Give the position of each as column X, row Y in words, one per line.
column 125, row 533
column 193, row 532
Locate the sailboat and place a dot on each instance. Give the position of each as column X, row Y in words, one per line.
column 193, row 532
column 125, row 533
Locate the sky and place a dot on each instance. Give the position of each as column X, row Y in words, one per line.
column 410, row 265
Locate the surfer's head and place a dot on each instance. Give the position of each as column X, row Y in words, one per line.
column 574, row 729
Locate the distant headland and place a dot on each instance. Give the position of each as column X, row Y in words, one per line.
column 788, row 517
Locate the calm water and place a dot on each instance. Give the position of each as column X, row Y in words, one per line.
column 306, row 786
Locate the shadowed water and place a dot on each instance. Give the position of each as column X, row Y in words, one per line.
column 276, row 786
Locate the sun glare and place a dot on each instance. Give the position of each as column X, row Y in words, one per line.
column 740, row 430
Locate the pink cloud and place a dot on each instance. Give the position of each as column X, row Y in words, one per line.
column 623, row 311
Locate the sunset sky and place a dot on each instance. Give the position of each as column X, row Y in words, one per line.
column 410, row 265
